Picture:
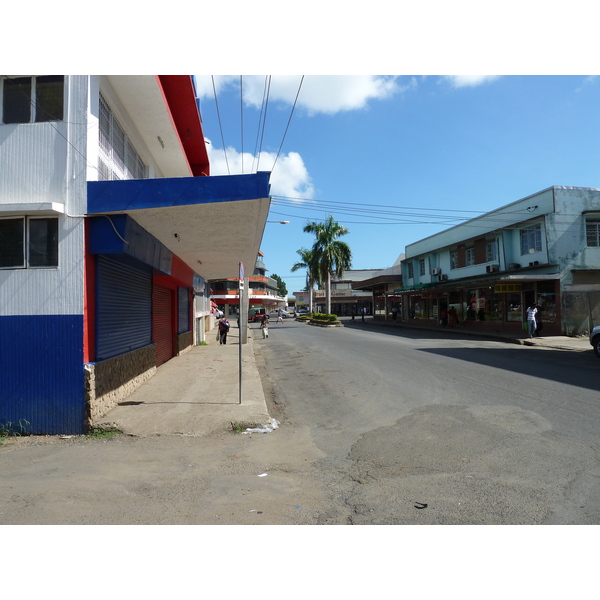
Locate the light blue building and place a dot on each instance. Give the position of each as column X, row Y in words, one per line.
column 544, row 248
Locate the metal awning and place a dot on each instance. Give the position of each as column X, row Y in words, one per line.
column 211, row 223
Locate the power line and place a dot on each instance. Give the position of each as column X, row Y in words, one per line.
column 220, row 124
column 288, row 123
column 264, row 123
column 260, row 118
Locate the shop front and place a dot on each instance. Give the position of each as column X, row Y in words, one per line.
column 495, row 306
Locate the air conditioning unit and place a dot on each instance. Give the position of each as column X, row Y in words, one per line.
column 514, row 266
column 442, row 277
column 436, row 271
column 491, row 269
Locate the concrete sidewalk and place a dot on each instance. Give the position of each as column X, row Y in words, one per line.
column 196, row 394
column 557, row 342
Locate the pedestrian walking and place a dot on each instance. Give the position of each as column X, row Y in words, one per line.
column 223, row 330
column 353, row 313
column 394, row 313
column 531, row 319
column 264, row 325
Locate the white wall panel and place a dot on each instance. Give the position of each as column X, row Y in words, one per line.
column 52, row 291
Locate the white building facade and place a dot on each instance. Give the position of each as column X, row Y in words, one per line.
column 108, row 237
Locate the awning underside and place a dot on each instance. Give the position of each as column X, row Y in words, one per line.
column 211, row 223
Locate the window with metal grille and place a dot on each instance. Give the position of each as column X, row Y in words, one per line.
column 118, row 159
column 28, row 242
column 453, row 259
column 491, row 251
column 421, row 267
column 33, row 99
column 469, row 256
column 592, row 231
column 531, row 239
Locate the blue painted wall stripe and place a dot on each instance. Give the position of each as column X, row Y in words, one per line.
column 42, row 374
column 132, row 194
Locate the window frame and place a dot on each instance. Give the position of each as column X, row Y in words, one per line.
column 491, row 250
column 531, row 239
column 26, row 242
column 118, row 158
column 453, row 259
column 595, row 221
column 33, row 107
column 469, row 256
column 422, row 269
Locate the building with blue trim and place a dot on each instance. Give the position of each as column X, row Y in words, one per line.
column 110, row 229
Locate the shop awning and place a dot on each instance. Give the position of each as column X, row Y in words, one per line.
column 211, row 223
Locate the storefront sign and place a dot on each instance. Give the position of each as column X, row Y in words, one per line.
column 507, row 288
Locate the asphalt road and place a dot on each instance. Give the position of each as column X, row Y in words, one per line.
column 417, row 428
column 377, row 427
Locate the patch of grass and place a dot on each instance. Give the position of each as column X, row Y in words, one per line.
column 9, row 428
column 241, row 426
column 103, row 432
column 202, row 344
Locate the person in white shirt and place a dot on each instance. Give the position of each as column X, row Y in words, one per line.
column 531, row 320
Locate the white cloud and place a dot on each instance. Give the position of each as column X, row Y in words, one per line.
column 319, row 93
column 289, row 177
column 470, row 80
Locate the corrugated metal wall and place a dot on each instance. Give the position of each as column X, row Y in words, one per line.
column 41, row 362
column 162, row 323
column 123, row 306
column 183, row 310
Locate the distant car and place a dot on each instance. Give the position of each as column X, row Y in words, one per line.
column 275, row 313
column 595, row 340
column 255, row 315
column 302, row 312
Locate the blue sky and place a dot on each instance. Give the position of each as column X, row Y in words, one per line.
column 430, row 151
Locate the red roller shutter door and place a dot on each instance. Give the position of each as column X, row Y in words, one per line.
column 162, row 324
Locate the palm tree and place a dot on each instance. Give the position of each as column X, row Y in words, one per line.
column 312, row 271
column 331, row 254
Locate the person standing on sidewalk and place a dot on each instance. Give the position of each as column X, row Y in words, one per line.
column 452, row 317
column 531, row 320
column 394, row 314
column 223, row 330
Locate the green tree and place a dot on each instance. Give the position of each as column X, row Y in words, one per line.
column 330, row 254
column 308, row 262
column 281, row 287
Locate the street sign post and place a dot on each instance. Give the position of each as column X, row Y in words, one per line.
column 243, row 318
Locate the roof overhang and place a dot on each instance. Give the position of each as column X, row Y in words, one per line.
column 484, row 281
column 211, row 223
column 145, row 101
column 375, row 281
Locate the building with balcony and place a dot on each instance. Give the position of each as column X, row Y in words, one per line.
column 542, row 249
column 262, row 291
column 108, row 237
